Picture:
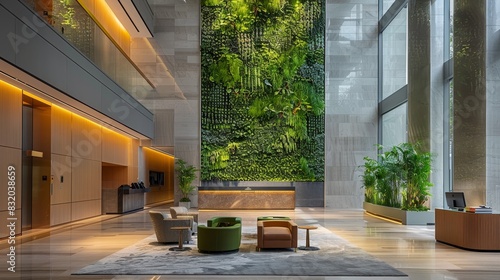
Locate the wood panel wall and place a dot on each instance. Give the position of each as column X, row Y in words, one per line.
column 10, row 150
column 10, row 157
column 11, row 109
column 86, row 139
column 133, row 161
column 157, row 161
column 61, row 131
column 76, row 167
column 86, row 180
column 61, row 161
column 61, row 170
column 115, row 147
column 79, row 151
column 114, row 176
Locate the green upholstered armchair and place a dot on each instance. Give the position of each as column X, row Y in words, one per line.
column 221, row 234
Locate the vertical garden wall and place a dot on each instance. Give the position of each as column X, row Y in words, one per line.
column 262, row 90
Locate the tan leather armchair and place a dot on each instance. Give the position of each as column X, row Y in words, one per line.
column 163, row 222
column 277, row 234
column 180, row 211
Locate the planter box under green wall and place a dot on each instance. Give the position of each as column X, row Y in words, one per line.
column 403, row 216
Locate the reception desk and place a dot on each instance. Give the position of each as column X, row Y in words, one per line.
column 122, row 200
column 471, row 231
column 220, row 198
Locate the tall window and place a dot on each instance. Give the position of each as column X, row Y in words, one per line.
column 452, row 4
column 393, row 66
column 394, row 126
column 386, row 4
column 394, row 54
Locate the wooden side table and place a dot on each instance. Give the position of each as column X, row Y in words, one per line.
column 181, row 241
column 308, row 247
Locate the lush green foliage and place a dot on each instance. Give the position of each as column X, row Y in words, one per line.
column 398, row 178
column 185, row 175
column 262, row 90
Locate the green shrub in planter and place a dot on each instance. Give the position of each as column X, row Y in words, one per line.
column 399, row 177
column 186, row 175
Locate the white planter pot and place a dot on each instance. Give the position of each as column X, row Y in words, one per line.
column 403, row 216
column 185, row 204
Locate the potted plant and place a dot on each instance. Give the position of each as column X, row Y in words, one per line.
column 397, row 183
column 185, row 174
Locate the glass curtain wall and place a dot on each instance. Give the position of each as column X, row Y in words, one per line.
column 395, row 54
column 448, row 88
column 394, row 126
column 386, row 4
column 394, row 78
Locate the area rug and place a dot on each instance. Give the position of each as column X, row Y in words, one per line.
column 336, row 257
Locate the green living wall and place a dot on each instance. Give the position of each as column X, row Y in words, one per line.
column 262, row 90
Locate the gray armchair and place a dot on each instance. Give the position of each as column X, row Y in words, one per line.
column 163, row 222
column 180, row 211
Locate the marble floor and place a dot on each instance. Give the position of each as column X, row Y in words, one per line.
column 57, row 252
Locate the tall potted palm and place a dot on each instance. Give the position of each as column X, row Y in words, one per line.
column 186, row 174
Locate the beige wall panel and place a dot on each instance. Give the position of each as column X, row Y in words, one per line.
column 86, row 139
column 10, row 157
column 114, row 176
column 60, row 214
column 11, row 108
column 133, row 161
column 61, row 131
column 86, row 180
column 85, row 209
column 61, row 171
column 156, row 161
column 4, row 229
column 115, row 147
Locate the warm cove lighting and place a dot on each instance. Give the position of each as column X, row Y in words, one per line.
column 5, row 84
column 61, row 108
column 104, row 16
column 158, row 152
column 383, row 218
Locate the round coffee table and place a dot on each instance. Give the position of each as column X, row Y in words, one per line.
column 181, row 241
column 308, row 247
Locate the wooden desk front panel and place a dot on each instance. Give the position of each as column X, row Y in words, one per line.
column 468, row 230
column 260, row 199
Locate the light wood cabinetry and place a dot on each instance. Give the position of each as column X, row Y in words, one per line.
column 468, row 230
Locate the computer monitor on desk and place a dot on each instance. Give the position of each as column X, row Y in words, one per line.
column 455, row 200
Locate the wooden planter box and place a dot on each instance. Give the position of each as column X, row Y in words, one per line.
column 403, row 216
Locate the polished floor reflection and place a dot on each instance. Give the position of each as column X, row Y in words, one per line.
column 59, row 251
